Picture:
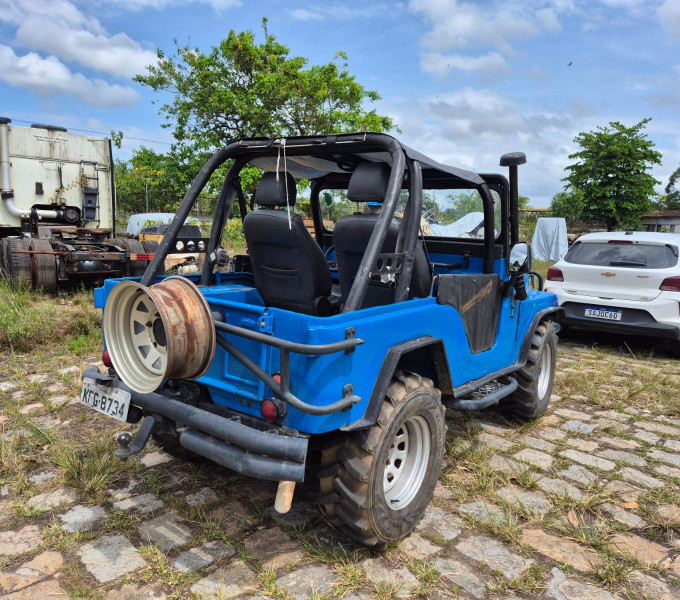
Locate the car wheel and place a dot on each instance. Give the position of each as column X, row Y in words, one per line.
column 376, row 483
column 675, row 348
column 535, row 380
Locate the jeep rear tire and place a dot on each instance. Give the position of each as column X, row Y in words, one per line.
column 376, row 483
column 535, row 380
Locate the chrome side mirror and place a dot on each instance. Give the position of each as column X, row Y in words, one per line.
column 520, row 258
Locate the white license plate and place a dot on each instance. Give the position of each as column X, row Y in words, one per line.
column 107, row 400
column 604, row 313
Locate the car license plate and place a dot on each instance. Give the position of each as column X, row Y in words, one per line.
column 609, row 314
column 107, row 400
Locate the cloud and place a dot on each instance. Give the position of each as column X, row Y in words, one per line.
column 303, row 14
column 318, row 12
column 441, row 65
column 75, row 37
column 669, row 14
column 458, row 24
column 137, row 5
column 46, row 77
column 472, row 128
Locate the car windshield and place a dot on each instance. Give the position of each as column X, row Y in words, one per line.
column 646, row 256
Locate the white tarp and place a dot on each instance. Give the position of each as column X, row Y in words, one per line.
column 550, row 239
column 469, row 226
column 136, row 222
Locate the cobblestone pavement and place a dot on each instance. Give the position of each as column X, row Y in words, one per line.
column 581, row 505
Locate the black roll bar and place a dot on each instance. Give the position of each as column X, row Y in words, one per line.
column 362, row 277
column 408, row 232
column 184, row 211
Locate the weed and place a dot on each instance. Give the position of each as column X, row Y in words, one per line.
column 532, row 578
column 351, row 576
column 612, row 570
column 55, row 538
column 428, row 577
column 12, row 464
column 121, row 521
column 23, row 510
column 158, row 567
column 88, row 469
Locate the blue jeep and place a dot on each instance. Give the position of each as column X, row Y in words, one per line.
column 348, row 337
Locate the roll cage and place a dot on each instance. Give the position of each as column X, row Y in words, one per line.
column 328, row 162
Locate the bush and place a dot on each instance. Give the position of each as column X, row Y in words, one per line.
column 233, row 236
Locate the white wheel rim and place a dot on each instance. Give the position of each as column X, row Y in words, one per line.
column 544, row 370
column 151, row 353
column 406, row 463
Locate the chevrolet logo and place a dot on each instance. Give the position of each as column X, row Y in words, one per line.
column 608, row 274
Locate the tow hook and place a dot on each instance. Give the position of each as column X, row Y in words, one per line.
column 150, row 425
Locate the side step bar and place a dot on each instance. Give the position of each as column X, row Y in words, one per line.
column 486, row 395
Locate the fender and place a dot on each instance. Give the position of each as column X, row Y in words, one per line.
column 522, row 356
column 432, row 346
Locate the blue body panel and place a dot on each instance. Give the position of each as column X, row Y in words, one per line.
column 320, row 380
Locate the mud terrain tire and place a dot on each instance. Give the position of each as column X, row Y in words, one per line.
column 535, row 380
column 376, row 483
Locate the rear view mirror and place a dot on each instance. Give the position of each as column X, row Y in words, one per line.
column 520, row 258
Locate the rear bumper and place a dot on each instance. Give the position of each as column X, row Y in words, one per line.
column 243, row 444
column 633, row 322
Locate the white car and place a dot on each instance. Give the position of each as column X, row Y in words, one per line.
column 622, row 282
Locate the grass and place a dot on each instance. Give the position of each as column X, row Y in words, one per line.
column 90, row 468
column 31, row 320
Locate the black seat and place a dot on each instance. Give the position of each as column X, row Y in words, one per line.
column 352, row 232
column 290, row 269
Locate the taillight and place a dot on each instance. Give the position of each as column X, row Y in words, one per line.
column 269, row 411
column 670, row 284
column 272, row 409
column 555, row 274
column 619, row 242
column 106, row 359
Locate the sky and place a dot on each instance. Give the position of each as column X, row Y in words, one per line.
column 466, row 81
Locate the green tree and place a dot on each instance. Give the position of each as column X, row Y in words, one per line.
column 567, row 204
column 242, row 88
column 672, row 198
column 611, row 173
column 151, row 175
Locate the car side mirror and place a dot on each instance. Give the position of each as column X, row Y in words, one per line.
column 520, row 258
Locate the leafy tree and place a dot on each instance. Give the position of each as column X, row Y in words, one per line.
column 611, row 173
column 672, row 199
column 242, row 88
column 149, row 174
column 567, row 204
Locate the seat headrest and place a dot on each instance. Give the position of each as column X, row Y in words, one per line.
column 270, row 192
column 368, row 182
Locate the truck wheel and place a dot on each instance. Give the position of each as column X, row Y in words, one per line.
column 376, row 483
column 137, row 267
column 18, row 262
column 535, row 380
column 150, row 246
column 3, row 266
column 43, row 266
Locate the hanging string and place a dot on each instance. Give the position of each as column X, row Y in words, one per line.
column 282, row 142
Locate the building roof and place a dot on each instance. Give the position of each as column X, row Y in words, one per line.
column 663, row 213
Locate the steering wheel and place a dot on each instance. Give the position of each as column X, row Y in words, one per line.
column 332, row 264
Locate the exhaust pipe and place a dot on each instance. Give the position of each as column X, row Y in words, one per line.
column 6, row 181
column 5, row 174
